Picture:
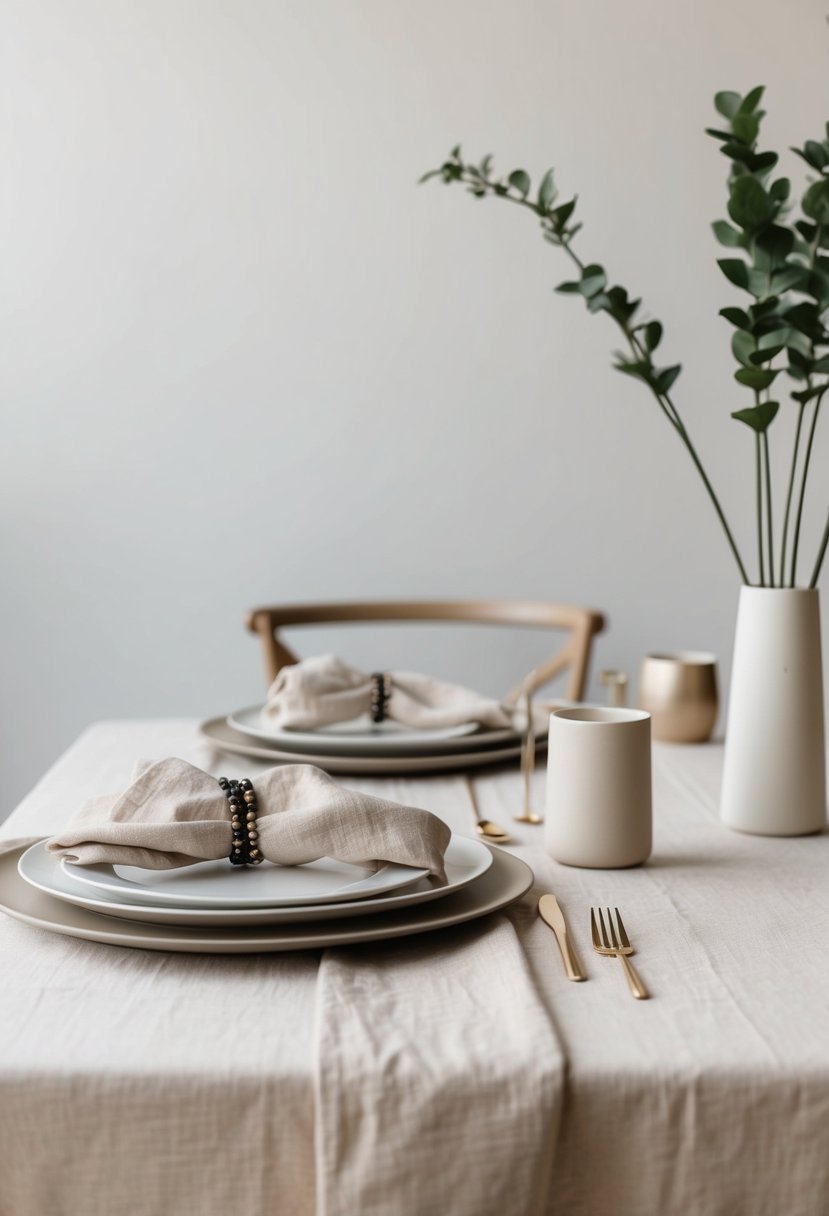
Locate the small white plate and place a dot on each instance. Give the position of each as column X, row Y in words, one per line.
column 218, row 884
column 466, row 861
column 507, row 880
column 359, row 736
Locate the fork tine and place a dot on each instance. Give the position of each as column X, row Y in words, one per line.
column 594, row 929
column 613, row 936
column 622, row 934
column 605, row 938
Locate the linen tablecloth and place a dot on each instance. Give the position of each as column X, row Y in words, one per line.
column 152, row 1083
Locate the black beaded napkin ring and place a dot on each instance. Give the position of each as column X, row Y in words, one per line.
column 380, row 693
column 244, row 848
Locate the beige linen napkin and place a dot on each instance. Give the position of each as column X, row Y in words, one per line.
column 323, row 690
column 174, row 814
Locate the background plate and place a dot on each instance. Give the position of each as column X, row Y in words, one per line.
column 217, row 731
column 507, row 880
column 466, row 861
column 360, row 736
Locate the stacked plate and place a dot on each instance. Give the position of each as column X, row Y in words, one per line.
column 361, row 746
column 216, row 908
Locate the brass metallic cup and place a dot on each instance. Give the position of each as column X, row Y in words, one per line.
column 679, row 691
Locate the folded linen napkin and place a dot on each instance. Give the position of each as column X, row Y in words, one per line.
column 323, row 690
column 174, row 814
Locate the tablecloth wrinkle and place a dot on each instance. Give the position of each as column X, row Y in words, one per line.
column 364, row 1080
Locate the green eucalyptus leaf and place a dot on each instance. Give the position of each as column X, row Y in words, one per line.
column 816, row 202
column 758, row 282
column 749, row 206
column 562, row 214
column 738, row 152
column 746, row 127
column 653, row 335
column 593, row 279
column 761, row 162
column 665, row 379
column 727, row 103
column 734, row 270
column 546, row 191
column 485, row 166
column 806, row 394
column 715, row 134
column 805, row 318
column 758, row 417
column 774, row 337
column 568, row 288
column 752, row 99
column 599, row 302
column 766, row 356
column 776, row 241
column 737, row 317
column 821, row 365
column 727, row 235
column 520, row 181
column 743, row 346
column 639, row 368
column 791, row 276
column 755, row 377
column 780, row 189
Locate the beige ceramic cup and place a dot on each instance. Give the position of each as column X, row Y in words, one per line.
column 679, row 691
column 598, row 806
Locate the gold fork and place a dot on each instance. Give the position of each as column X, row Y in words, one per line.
column 610, row 944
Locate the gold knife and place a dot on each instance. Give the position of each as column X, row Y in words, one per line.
column 549, row 911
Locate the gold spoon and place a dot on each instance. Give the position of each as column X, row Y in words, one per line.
column 485, row 828
column 528, row 763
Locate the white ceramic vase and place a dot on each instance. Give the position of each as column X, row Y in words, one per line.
column 774, row 779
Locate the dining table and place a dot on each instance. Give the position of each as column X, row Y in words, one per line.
column 456, row 1072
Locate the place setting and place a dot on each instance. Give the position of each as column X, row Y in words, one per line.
column 184, row 861
column 323, row 711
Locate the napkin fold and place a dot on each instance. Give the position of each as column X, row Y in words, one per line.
column 174, row 814
column 324, row 689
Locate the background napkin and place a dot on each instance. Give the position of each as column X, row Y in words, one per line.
column 323, row 690
column 174, row 814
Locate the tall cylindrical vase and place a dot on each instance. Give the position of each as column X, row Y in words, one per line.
column 774, row 780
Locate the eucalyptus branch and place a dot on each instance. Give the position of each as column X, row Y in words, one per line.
column 758, row 480
column 782, row 264
column 598, row 296
column 769, row 524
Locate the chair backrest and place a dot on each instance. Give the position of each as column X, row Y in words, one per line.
column 581, row 624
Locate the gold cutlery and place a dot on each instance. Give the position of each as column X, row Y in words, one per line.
column 528, row 763
column 549, row 911
column 485, row 828
column 610, row 944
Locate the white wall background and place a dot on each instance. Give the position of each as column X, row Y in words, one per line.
column 245, row 359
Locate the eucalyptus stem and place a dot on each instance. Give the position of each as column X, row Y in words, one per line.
column 759, row 483
column 820, row 557
column 769, row 526
column 789, row 492
column 805, row 474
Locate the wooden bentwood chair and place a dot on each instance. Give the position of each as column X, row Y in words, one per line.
column 581, row 624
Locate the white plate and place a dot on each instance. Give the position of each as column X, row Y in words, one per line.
column 361, row 736
column 218, row 884
column 507, row 880
column 466, row 861
column 225, row 738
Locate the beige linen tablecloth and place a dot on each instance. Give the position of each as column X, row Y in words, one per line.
column 453, row 1074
